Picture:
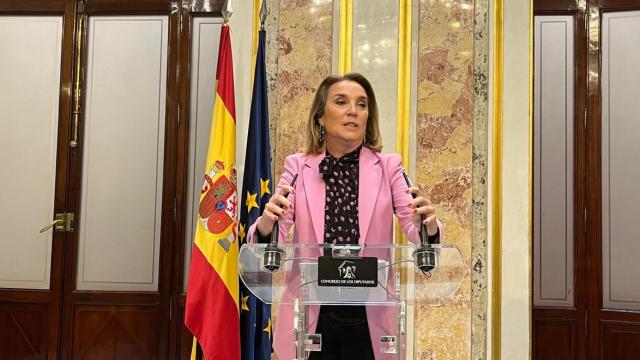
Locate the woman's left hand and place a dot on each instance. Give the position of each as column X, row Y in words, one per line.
column 422, row 210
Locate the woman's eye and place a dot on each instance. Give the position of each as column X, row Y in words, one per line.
column 340, row 102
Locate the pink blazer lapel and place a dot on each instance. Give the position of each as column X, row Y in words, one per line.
column 315, row 191
column 370, row 173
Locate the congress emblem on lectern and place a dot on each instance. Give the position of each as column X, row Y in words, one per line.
column 347, row 270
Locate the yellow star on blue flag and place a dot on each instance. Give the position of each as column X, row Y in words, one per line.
column 251, row 201
column 245, row 306
column 241, row 233
column 264, row 187
column 268, row 328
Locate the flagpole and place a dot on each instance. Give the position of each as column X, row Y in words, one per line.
column 263, row 14
column 227, row 11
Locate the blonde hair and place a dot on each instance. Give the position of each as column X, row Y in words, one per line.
column 372, row 137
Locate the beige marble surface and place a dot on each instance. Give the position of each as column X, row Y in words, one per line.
column 444, row 142
column 304, row 59
column 271, row 26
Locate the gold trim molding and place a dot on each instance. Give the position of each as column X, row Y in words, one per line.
column 496, row 174
column 344, row 36
column 404, row 80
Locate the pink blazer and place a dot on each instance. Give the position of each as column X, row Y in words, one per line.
column 381, row 193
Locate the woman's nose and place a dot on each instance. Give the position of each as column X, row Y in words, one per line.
column 351, row 109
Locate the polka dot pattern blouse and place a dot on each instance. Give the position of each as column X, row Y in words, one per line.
column 341, row 205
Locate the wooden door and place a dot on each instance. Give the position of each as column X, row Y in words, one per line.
column 90, row 91
column 559, row 304
column 117, row 279
column 613, row 201
column 586, row 301
column 118, row 95
column 37, row 39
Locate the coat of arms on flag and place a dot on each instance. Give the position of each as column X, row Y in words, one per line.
column 219, row 202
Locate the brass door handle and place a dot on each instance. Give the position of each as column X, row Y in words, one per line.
column 63, row 222
column 51, row 224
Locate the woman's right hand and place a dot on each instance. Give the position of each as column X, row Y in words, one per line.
column 276, row 209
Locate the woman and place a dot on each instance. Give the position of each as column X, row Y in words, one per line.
column 346, row 192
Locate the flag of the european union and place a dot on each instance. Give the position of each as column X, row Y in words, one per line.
column 257, row 185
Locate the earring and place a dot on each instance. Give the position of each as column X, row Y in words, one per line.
column 321, row 134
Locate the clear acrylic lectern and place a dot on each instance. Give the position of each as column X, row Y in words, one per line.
column 391, row 286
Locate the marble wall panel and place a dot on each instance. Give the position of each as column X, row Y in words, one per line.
column 305, row 34
column 271, row 26
column 444, row 144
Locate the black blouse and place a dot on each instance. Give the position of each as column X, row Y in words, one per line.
column 341, row 226
column 341, row 205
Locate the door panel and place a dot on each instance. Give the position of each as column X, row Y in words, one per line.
column 620, row 340
column 29, row 141
column 555, row 340
column 620, row 148
column 558, row 305
column 121, row 332
column 120, row 213
column 23, row 331
column 554, row 162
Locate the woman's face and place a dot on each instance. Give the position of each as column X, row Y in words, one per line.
column 345, row 117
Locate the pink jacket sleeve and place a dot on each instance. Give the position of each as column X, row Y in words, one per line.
column 410, row 225
column 291, row 167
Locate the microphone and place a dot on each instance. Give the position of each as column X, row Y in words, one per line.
column 424, row 256
column 274, row 254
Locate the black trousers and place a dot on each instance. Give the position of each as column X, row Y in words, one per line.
column 345, row 334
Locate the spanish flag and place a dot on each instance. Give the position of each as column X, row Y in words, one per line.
column 212, row 312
